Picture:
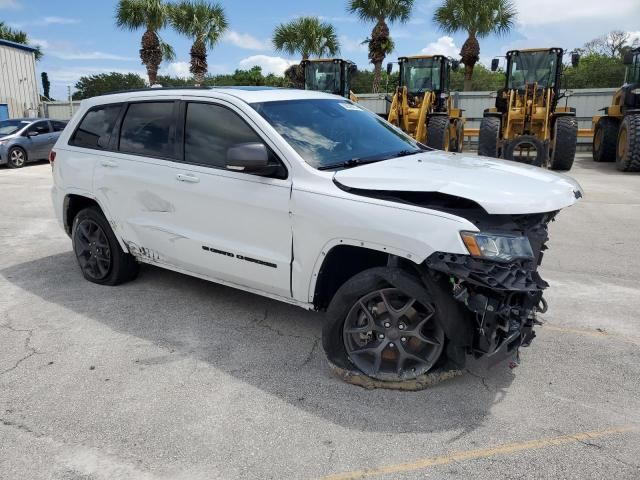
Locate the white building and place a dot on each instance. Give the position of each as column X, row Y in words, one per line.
column 18, row 81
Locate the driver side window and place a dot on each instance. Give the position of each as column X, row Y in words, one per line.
column 210, row 130
column 39, row 127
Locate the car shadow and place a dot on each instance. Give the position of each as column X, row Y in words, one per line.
column 270, row 345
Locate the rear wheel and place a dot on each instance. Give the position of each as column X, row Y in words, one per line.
column 438, row 136
column 17, row 158
column 526, row 149
column 605, row 137
column 381, row 330
column 565, row 137
column 99, row 255
column 489, row 137
column 628, row 149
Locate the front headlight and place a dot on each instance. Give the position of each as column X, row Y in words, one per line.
column 497, row 247
column 2, row 142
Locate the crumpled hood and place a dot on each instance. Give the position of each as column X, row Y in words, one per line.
column 499, row 186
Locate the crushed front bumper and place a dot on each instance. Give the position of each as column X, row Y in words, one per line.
column 500, row 299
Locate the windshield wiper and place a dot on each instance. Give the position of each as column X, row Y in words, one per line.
column 352, row 162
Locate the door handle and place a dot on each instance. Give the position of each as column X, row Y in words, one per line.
column 187, row 178
column 108, row 163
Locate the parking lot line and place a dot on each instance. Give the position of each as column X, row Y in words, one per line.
column 478, row 453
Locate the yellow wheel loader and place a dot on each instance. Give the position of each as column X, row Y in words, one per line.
column 330, row 75
column 616, row 134
column 527, row 124
column 422, row 105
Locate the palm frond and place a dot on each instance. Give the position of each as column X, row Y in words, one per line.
column 307, row 36
column 199, row 19
column 385, row 10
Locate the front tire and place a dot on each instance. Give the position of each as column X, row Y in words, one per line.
column 380, row 330
column 565, row 138
column 604, row 139
column 489, row 137
column 438, row 133
column 628, row 149
column 99, row 255
column 17, row 158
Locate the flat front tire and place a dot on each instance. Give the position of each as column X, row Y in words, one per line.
column 378, row 329
column 99, row 255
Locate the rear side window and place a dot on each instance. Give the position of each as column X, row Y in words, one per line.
column 58, row 126
column 39, row 127
column 95, row 128
column 147, row 129
column 210, row 130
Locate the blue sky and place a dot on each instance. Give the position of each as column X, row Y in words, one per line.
column 79, row 37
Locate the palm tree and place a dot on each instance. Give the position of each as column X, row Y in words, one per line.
column 479, row 18
column 205, row 23
column 17, row 36
column 380, row 43
column 306, row 36
column 153, row 16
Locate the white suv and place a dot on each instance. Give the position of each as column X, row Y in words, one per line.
column 420, row 257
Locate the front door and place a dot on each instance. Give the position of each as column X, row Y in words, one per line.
column 236, row 226
column 37, row 146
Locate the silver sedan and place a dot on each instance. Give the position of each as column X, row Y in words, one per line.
column 25, row 140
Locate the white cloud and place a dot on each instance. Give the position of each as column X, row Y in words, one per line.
column 442, row 46
column 269, row 64
column 543, row 12
column 59, row 21
column 246, row 41
column 39, row 43
column 634, row 37
column 67, row 51
column 9, row 4
column 177, row 69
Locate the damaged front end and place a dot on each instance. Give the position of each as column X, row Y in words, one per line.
column 501, row 291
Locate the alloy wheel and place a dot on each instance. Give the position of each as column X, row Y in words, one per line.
column 16, row 157
column 92, row 249
column 392, row 336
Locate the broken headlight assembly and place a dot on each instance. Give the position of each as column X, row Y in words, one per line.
column 498, row 247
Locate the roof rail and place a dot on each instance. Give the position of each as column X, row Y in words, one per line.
column 153, row 89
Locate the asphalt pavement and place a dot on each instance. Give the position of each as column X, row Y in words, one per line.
column 171, row 377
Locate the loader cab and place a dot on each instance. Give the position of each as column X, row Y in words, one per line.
column 540, row 68
column 329, row 76
column 632, row 61
column 422, row 74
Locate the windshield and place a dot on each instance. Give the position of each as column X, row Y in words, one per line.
column 532, row 67
column 9, row 127
column 421, row 74
column 322, row 77
column 328, row 133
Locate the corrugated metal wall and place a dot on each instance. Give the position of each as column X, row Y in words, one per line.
column 18, row 82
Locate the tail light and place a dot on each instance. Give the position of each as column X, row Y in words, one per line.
column 52, row 157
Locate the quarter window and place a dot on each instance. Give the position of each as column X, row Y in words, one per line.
column 147, row 129
column 58, row 126
column 95, row 128
column 210, row 130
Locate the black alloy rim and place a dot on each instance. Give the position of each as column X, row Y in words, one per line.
column 92, row 249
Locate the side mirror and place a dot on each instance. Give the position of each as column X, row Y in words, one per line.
column 495, row 63
column 32, row 133
column 575, row 59
column 389, row 68
column 627, row 59
column 455, row 64
column 353, row 68
column 248, row 157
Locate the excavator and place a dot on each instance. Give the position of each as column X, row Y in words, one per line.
column 422, row 105
column 330, row 75
column 527, row 123
column 616, row 134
